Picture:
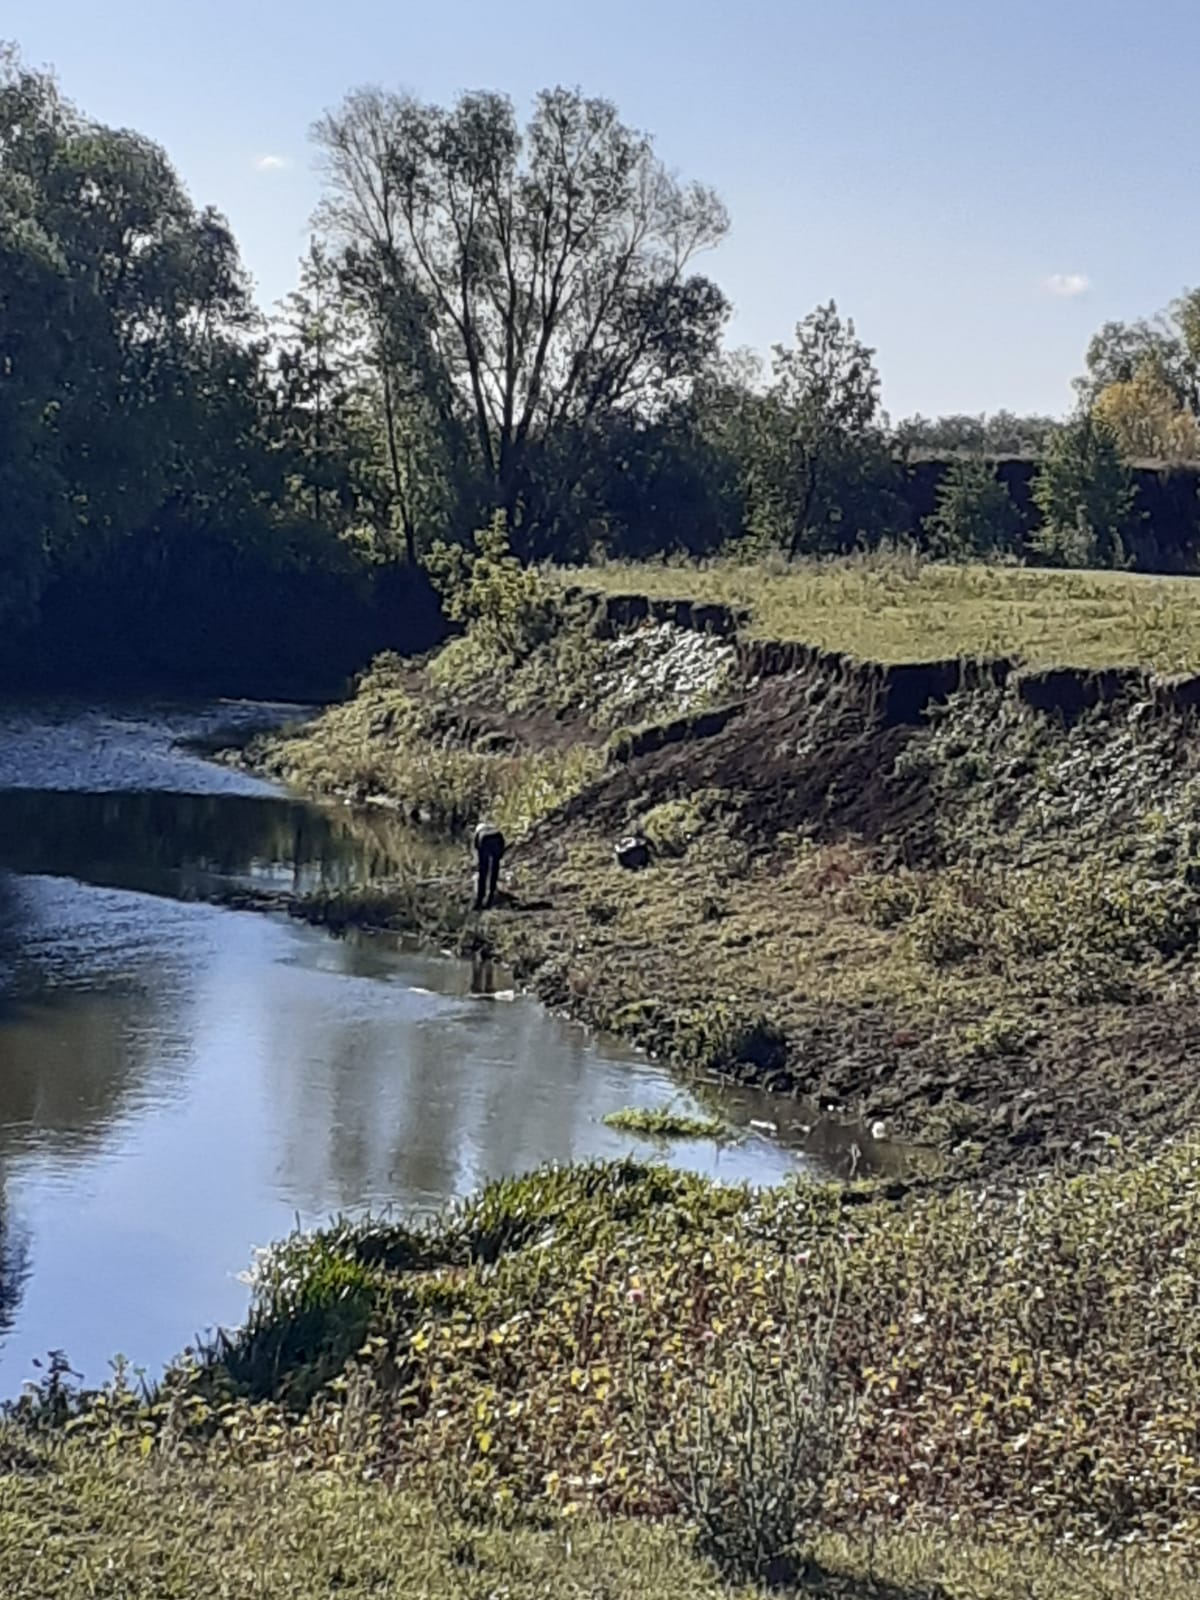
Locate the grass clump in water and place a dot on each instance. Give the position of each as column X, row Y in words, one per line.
column 663, row 1123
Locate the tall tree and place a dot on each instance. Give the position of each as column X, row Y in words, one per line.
column 1085, row 494
column 552, row 265
column 1147, row 419
column 819, row 461
column 116, row 296
column 421, row 451
column 319, row 368
column 1003, row 433
column 1166, row 347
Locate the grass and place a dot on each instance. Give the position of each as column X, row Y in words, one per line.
column 895, row 609
column 1013, row 967
column 1007, row 974
column 1030, row 978
column 104, row 1526
column 663, row 1123
column 381, row 744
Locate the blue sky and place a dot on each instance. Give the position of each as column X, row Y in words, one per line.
column 978, row 185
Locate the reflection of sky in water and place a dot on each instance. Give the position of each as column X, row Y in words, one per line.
column 178, row 1083
column 234, row 1072
column 68, row 745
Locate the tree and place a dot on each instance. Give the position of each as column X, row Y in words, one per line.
column 314, row 361
column 819, row 466
column 117, row 296
column 1085, row 495
column 975, row 516
column 420, row 448
column 1167, row 347
column 149, row 453
column 1146, row 418
column 550, row 268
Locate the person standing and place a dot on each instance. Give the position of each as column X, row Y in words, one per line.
column 489, row 847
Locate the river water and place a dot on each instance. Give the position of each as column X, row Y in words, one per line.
column 180, row 1083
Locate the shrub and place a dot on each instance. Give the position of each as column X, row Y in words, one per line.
column 1085, row 494
column 885, row 902
column 312, row 1310
column 510, row 609
column 975, row 516
column 715, row 1037
column 752, row 1447
column 670, row 827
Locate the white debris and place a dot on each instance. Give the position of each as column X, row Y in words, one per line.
column 658, row 669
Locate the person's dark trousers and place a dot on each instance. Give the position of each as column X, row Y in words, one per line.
column 489, row 847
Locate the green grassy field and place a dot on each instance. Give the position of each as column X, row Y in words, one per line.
column 895, row 608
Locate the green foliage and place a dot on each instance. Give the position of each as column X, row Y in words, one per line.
column 1085, row 495
column 205, row 1522
column 314, row 1306
column 975, row 517
column 818, row 465
column 465, row 219
column 150, row 457
column 510, row 608
column 1167, row 347
column 84, row 1521
column 626, row 1341
column 722, row 1037
column 380, row 746
column 752, row 1448
column 670, row 827
column 1001, row 434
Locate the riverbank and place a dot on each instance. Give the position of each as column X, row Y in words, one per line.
column 976, row 922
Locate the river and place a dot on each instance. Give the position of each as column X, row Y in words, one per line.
column 180, row 1083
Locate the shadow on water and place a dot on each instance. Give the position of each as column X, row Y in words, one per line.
column 160, row 842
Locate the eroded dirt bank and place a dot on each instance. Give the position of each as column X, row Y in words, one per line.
column 965, row 907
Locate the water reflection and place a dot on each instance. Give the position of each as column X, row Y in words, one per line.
column 178, row 1082
column 181, row 844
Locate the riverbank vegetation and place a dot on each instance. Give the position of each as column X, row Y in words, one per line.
column 663, row 1123
column 966, row 936
column 971, row 1394
column 909, row 922
column 213, row 1526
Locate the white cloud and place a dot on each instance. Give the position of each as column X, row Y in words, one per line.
column 270, row 163
column 1068, row 285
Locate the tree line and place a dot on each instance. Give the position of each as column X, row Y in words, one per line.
column 492, row 317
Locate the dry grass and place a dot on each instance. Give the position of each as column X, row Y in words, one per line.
column 895, row 608
column 376, row 745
